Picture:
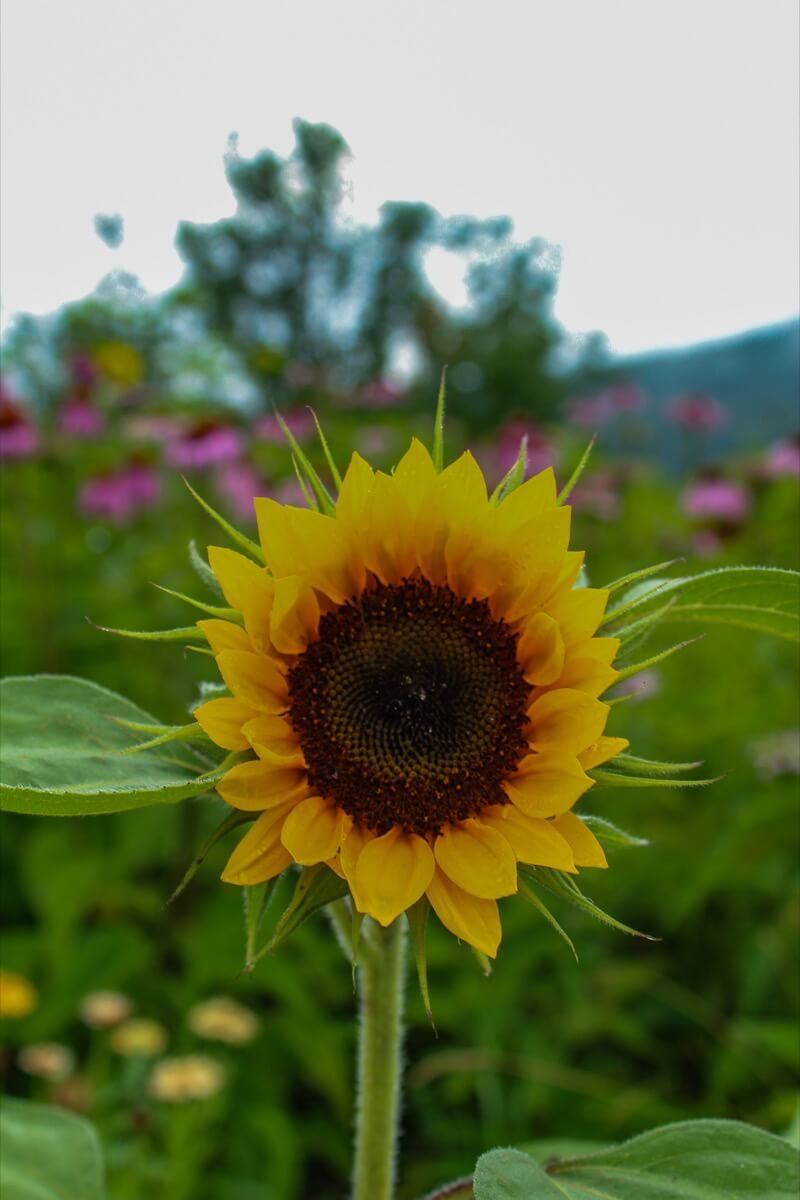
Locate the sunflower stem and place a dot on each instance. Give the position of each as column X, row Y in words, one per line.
column 381, row 986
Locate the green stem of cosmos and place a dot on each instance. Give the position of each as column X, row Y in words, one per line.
column 381, row 986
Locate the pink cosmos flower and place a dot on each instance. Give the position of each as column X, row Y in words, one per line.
column 783, row 458
column 299, row 421
column 118, row 495
column 541, row 451
column 238, row 483
column 19, row 438
column 80, row 418
column 204, row 444
column 716, row 499
column 697, row 412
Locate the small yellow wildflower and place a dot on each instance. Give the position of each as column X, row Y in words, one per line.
column 224, row 1020
column 101, row 1010
column 47, row 1060
column 18, row 996
column 139, row 1038
column 191, row 1077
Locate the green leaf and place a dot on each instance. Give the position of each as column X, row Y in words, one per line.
column 438, row 424
column 241, row 539
column 211, row 610
column 182, row 634
column 323, row 497
column 231, row 821
column 644, row 573
column 60, row 752
column 605, row 831
column 511, row 1175
column 690, row 1160
column 256, row 898
column 618, row 779
column 48, row 1154
column 326, row 450
column 765, row 599
column 564, row 494
column 513, row 476
column 540, row 906
column 316, row 887
column 646, row 766
column 202, row 569
column 565, row 886
column 417, row 917
column 655, row 659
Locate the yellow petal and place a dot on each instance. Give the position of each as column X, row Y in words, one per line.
column 294, row 619
column 540, row 649
column 547, row 784
column 587, row 666
column 223, row 719
column 477, row 858
column 260, row 854
column 312, row 832
column 585, row 847
column 242, row 581
column 224, row 635
column 299, row 541
column 389, row 548
column 534, row 497
column 274, row 740
column 253, row 786
column 566, row 720
column 392, row 873
column 601, row 751
column 415, row 475
column 354, row 494
column 254, row 679
column 579, row 612
column 473, row 920
column 532, row 839
column 353, row 842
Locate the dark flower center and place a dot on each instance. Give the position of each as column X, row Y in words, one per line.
column 410, row 707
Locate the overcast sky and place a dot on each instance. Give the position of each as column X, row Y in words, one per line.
column 654, row 141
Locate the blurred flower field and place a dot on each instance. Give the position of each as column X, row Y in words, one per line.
column 205, row 1081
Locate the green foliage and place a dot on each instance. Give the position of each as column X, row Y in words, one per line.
column 63, row 753
column 48, row 1154
column 764, row 599
column 704, row 1160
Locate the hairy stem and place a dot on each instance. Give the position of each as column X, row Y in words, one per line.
column 381, row 979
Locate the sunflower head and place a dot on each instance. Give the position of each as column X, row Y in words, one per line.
column 414, row 678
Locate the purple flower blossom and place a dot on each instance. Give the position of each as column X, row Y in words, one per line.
column 783, row 458
column 238, row 483
column 697, row 412
column 205, row 444
column 542, row 452
column 598, row 494
column 118, row 495
column 19, row 438
column 79, row 418
column 715, row 499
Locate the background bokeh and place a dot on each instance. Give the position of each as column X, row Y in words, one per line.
column 284, row 305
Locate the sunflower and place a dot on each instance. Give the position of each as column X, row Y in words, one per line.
column 415, row 681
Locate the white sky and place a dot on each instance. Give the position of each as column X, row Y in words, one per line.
column 655, row 141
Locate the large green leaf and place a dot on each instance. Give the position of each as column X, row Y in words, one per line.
column 766, row 599
column 691, row 1160
column 60, row 752
column 48, row 1154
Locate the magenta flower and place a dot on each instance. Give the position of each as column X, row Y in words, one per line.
column 299, row 422
column 625, row 398
column 118, row 495
column 697, row 412
column 204, row 444
column 783, row 459
column 541, row 451
column 589, row 412
column 238, row 483
column 19, row 437
column 717, row 500
column 84, row 372
column 80, row 418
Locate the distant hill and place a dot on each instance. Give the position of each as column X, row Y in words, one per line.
column 755, row 375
